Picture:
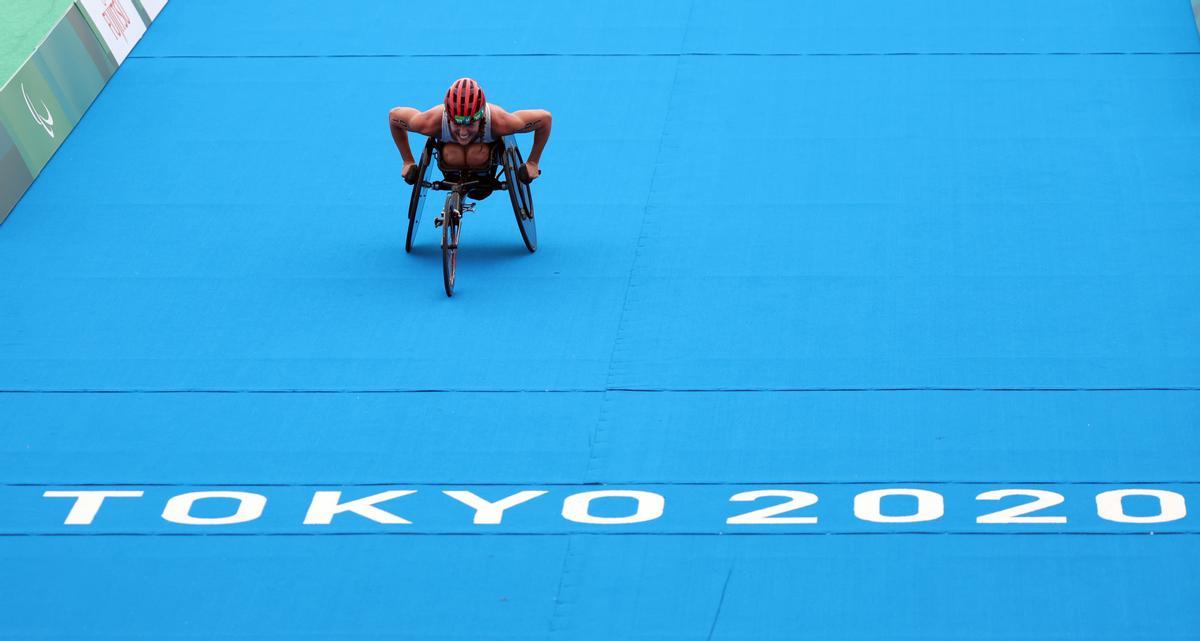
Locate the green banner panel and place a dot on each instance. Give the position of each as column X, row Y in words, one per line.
column 42, row 102
column 1196, row 12
column 33, row 115
column 14, row 175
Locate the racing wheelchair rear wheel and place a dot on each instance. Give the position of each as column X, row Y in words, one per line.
column 518, row 191
column 416, row 203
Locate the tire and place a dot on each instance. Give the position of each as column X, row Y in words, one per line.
column 416, row 202
column 451, row 227
column 520, row 194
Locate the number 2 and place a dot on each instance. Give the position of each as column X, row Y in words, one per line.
column 1016, row 513
column 769, row 515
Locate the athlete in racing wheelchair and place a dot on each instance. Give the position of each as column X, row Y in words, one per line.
column 473, row 143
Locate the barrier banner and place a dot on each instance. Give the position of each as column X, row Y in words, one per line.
column 47, row 96
column 14, row 175
column 118, row 23
column 151, row 8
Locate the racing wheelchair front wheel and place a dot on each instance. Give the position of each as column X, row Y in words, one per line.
column 451, row 226
column 519, row 193
column 416, row 203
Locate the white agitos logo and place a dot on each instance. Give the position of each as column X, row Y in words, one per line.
column 46, row 121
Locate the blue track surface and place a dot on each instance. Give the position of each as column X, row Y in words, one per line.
column 962, row 257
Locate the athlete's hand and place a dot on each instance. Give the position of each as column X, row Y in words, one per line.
column 409, row 172
column 529, row 172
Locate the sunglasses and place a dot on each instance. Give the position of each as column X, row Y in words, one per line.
column 466, row 120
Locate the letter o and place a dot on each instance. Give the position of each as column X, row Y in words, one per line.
column 179, row 508
column 577, row 507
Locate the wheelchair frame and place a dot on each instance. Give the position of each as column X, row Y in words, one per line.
column 507, row 160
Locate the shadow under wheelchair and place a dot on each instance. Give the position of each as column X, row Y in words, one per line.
column 482, row 252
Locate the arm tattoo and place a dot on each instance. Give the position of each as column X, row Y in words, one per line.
column 401, row 123
column 529, row 126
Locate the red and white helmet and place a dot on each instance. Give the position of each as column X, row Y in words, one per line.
column 465, row 99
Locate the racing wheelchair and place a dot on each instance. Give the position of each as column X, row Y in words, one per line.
column 505, row 172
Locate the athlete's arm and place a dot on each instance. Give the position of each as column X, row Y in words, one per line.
column 524, row 121
column 405, row 119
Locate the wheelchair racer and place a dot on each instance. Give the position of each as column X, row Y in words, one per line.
column 465, row 125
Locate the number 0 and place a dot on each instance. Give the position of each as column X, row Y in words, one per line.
column 1111, row 507
column 930, row 506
